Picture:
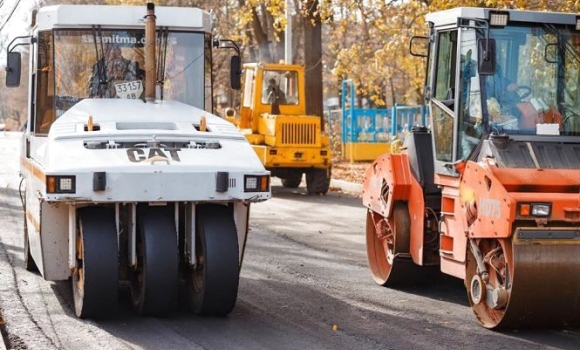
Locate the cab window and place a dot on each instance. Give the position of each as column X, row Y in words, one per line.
column 280, row 86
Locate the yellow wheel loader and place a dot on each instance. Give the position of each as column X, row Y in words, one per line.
column 273, row 118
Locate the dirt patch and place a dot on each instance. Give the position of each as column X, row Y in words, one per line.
column 351, row 172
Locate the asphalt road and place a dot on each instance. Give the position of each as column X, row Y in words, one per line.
column 304, row 285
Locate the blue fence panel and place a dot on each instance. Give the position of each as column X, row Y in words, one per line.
column 376, row 124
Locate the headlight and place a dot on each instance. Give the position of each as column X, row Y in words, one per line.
column 60, row 184
column 256, row 183
column 540, row 209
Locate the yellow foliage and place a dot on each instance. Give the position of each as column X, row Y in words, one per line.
column 370, row 42
column 365, row 41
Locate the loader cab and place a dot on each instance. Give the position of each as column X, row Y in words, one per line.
column 510, row 73
column 273, row 89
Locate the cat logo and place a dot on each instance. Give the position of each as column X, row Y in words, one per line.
column 138, row 155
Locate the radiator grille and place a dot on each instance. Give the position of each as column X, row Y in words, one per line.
column 299, row 134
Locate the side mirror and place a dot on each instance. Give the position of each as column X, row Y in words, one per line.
column 235, row 62
column 235, row 72
column 13, row 67
column 486, row 56
column 419, row 46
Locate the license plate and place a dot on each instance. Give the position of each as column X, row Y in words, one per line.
column 129, row 89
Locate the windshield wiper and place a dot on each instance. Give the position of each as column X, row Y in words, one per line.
column 161, row 59
column 101, row 65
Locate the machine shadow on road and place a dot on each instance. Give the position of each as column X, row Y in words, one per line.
column 7, row 196
column 440, row 287
column 11, row 208
column 16, row 250
column 15, row 255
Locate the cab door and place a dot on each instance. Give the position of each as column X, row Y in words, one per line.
column 443, row 100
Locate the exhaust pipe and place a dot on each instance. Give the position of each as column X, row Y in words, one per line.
column 150, row 56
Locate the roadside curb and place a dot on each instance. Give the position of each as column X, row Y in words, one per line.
column 346, row 186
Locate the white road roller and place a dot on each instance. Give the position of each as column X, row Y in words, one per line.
column 128, row 176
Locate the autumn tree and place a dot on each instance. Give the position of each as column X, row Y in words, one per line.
column 369, row 42
column 365, row 41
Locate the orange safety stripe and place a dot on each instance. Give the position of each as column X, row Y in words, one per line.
column 33, row 169
column 33, row 221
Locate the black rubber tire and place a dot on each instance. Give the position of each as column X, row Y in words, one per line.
column 318, row 181
column 292, row 181
column 155, row 281
column 212, row 286
column 96, row 295
column 29, row 263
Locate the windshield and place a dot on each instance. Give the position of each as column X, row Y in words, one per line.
column 77, row 64
column 536, row 81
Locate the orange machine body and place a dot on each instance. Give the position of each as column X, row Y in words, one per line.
column 497, row 194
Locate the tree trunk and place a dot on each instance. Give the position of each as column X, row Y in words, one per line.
column 261, row 38
column 313, row 60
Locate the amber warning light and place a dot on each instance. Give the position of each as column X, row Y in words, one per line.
column 60, row 184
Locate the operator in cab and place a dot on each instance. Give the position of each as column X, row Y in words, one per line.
column 114, row 76
column 274, row 93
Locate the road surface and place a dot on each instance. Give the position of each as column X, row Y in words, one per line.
column 304, row 285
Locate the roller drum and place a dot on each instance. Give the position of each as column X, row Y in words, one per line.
column 542, row 283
